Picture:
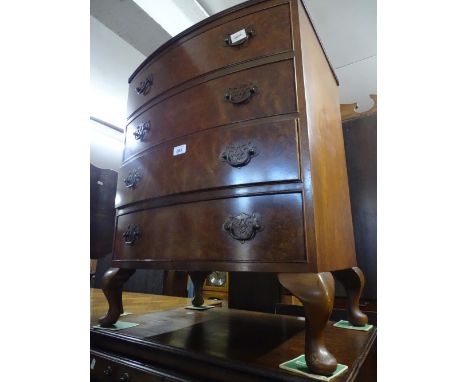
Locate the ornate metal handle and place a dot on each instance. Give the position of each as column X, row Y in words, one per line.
column 133, row 178
column 141, row 130
column 241, row 94
column 239, row 37
column 132, row 234
column 239, row 155
column 243, row 227
column 145, row 86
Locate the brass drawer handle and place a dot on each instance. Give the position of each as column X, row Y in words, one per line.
column 240, row 94
column 145, row 86
column 133, row 178
column 239, row 37
column 243, row 227
column 239, row 155
column 141, row 130
column 132, row 234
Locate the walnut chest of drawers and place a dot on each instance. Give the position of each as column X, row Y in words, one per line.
column 234, row 161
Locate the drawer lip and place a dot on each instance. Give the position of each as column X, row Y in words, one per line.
column 209, row 109
column 222, row 266
column 276, row 161
column 173, row 71
column 214, row 194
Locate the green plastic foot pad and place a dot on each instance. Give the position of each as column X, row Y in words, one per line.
column 343, row 324
column 119, row 325
column 203, row 307
column 298, row 365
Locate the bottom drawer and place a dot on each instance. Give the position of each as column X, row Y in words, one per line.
column 107, row 367
column 265, row 228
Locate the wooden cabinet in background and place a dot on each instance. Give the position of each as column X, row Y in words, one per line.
column 103, row 186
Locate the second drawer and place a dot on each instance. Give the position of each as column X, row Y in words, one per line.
column 222, row 157
column 249, row 94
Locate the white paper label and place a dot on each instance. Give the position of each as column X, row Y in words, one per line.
column 93, row 362
column 179, row 150
column 238, row 36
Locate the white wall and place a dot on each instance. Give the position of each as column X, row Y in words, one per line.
column 348, row 30
column 112, row 62
column 106, row 146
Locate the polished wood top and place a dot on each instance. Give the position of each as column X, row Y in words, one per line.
column 239, row 342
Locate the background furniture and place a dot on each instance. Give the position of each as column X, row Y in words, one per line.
column 360, row 137
column 103, row 184
column 216, row 287
column 234, row 161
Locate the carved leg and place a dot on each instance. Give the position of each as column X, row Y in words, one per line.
column 316, row 291
column 353, row 281
column 112, row 284
column 198, row 278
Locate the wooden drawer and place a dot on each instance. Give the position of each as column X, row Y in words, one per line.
column 205, row 106
column 265, row 228
column 222, row 157
column 207, row 51
column 108, row 367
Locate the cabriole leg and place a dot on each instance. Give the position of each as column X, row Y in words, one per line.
column 112, row 286
column 316, row 292
column 353, row 282
column 198, row 278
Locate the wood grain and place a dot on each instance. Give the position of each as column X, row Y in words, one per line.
column 331, row 203
column 162, row 173
column 203, row 106
column 205, row 52
column 194, row 232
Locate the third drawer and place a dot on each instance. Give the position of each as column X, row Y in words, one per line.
column 222, row 157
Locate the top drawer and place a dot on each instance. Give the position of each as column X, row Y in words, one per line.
column 267, row 32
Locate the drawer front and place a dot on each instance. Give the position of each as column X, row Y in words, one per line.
column 222, row 157
column 267, row 32
column 106, row 367
column 265, row 228
column 253, row 93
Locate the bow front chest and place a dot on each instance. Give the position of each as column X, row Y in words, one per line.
column 234, row 161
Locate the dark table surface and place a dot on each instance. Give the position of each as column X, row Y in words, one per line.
column 248, row 342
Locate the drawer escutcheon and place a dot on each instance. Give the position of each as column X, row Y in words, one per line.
column 239, row 155
column 132, row 234
column 243, row 227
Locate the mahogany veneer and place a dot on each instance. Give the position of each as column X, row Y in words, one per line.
column 234, row 160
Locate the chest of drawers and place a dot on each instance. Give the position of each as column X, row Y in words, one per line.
column 234, row 161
